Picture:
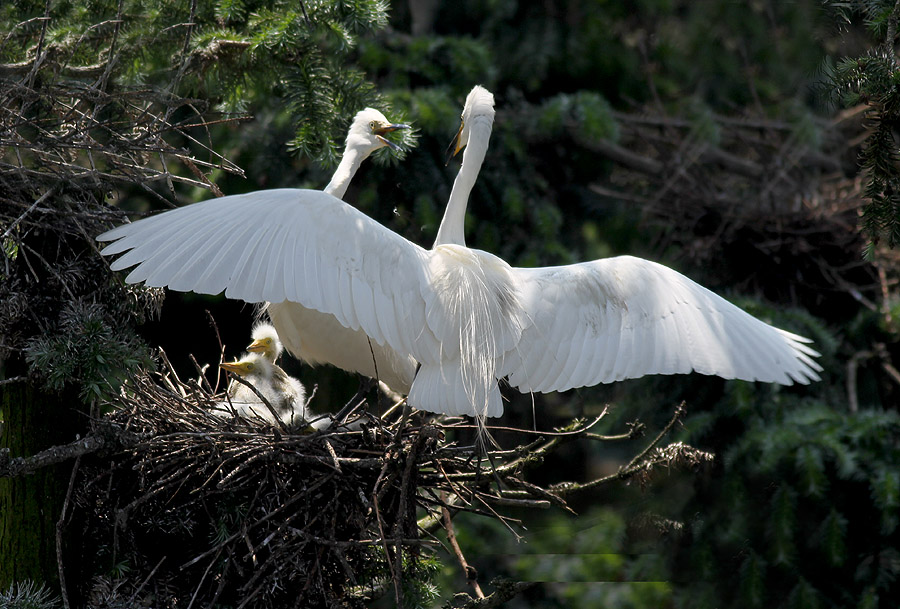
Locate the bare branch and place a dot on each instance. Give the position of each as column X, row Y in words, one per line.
column 11, row 467
column 505, row 590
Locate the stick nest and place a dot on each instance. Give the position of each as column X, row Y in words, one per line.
column 244, row 514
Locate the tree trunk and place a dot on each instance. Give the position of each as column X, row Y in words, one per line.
column 423, row 13
column 30, row 505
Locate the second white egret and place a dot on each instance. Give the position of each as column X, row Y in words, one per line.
column 317, row 337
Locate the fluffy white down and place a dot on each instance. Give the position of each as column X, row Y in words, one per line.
column 285, row 394
column 266, row 341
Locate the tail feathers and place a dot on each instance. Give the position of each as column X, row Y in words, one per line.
column 440, row 389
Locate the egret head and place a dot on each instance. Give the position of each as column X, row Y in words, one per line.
column 251, row 367
column 479, row 108
column 368, row 130
column 265, row 342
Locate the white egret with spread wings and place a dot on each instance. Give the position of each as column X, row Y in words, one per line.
column 466, row 316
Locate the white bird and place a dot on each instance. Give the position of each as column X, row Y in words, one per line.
column 285, row 394
column 265, row 342
column 365, row 136
column 468, row 317
column 317, row 337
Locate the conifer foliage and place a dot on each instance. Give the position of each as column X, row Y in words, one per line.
column 871, row 80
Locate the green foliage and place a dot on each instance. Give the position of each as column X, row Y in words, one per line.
column 585, row 112
column 418, row 577
column 88, row 349
column 872, row 79
column 753, row 580
column 585, row 560
column 243, row 56
column 833, row 538
column 815, row 520
column 419, row 589
column 28, row 595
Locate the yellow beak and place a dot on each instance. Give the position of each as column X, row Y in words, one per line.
column 235, row 367
column 380, row 131
column 257, row 346
column 389, row 128
column 454, row 147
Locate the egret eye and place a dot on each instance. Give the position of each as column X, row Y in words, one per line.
column 373, row 125
column 250, row 366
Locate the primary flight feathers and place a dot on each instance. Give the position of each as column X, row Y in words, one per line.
column 465, row 315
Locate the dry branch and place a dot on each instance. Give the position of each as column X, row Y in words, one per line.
column 763, row 190
column 20, row 466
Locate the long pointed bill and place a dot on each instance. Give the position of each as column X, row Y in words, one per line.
column 454, row 147
column 232, row 367
column 257, row 346
column 389, row 144
column 389, row 128
column 380, row 131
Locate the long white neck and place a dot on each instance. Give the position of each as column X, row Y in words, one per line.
column 453, row 225
column 345, row 171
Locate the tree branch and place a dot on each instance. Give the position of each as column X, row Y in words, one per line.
column 504, row 590
column 471, row 573
column 11, row 467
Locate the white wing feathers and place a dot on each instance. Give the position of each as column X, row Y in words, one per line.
column 300, row 245
column 618, row 318
column 465, row 315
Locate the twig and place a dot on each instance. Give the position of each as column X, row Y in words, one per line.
column 365, row 385
column 146, row 579
column 305, row 16
column 578, row 429
column 891, row 35
column 471, row 573
column 333, row 455
column 395, row 576
column 505, row 590
column 60, row 525
column 395, row 397
column 201, row 376
column 203, row 578
column 679, row 412
column 37, row 202
column 636, row 464
column 215, row 327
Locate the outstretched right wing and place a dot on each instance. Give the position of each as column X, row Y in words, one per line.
column 624, row 317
